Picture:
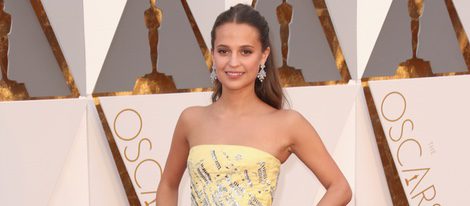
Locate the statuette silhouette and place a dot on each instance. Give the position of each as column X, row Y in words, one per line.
column 288, row 75
column 154, row 82
column 414, row 67
column 9, row 89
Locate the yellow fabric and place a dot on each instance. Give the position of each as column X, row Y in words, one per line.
column 232, row 175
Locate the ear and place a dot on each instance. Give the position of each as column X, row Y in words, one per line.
column 265, row 55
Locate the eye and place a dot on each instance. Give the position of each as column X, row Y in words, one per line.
column 246, row 52
column 222, row 51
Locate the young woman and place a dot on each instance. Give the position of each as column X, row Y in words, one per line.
column 233, row 148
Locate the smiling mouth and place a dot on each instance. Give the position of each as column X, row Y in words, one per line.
column 234, row 74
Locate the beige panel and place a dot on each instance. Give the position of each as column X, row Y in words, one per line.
column 229, row 3
column 35, row 146
column 425, row 124
column 344, row 155
column 72, row 187
column 155, row 117
column 329, row 115
column 370, row 177
column 105, row 186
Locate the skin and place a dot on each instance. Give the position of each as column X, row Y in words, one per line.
column 240, row 117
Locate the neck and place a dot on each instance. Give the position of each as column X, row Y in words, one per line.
column 238, row 102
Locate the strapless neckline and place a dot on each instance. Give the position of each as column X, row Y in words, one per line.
column 239, row 146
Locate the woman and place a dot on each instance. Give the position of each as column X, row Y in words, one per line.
column 234, row 147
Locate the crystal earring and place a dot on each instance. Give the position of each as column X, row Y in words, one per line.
column 213, row 75
column 262, row 73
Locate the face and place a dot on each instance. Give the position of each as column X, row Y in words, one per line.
column 237, row 55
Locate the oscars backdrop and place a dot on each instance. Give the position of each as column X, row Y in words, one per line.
column 91, row 91
column 43, row 132
column 139, row 128
column 426, row 151
column 420, row 61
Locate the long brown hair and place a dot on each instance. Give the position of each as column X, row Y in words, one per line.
column 270, row 90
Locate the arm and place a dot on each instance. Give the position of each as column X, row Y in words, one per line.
column 167, row 192
column 307, row 145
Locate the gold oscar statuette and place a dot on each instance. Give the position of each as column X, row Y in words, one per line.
column 154, row 82
column 414, row 67
column 287, row 74
column 9, row 89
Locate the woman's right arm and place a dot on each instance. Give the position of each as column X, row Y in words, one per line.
column 167, row 192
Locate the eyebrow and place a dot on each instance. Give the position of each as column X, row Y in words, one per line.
column 243, row 46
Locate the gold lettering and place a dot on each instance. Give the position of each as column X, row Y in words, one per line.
column 131, row 137
column 424, row 197
column 401, row 133
column 403, row 143
column 412, row 177
column 382, row 107
column 138, row 150
column 153, row 201
column 137, row 169
column 420, row 179
column 148, row 203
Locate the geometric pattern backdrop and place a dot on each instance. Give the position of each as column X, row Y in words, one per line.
column 79, row 60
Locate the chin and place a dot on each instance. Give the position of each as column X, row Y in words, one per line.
column 235, row 85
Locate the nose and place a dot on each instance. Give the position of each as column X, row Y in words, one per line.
column 234, row 61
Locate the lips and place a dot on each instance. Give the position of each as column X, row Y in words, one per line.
column 234, row 74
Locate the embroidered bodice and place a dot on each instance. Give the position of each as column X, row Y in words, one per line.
column 232, row 175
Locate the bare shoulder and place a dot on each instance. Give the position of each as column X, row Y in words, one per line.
column 291, row 117
column 190, row 116
column 188, row 120
column 296, row 125
column 192, row 112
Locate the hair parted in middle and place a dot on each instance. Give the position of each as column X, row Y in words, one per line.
column 270, row 90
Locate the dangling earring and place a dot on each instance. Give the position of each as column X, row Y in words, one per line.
column 213, row 75
column 262, row 73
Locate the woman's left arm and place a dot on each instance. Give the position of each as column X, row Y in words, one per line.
column 308, row 147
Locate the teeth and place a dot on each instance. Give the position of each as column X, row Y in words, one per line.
column 234, row 73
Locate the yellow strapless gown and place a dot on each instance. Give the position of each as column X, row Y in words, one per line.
column 232, row 175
